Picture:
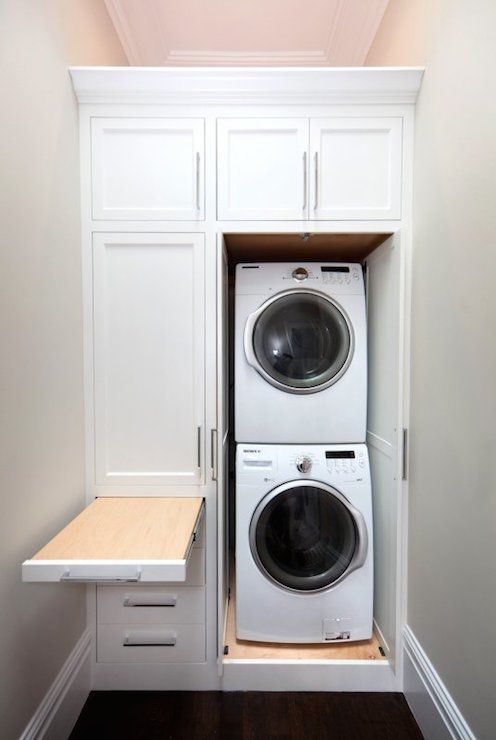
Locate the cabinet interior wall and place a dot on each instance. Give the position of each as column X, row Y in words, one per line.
column 380, row 255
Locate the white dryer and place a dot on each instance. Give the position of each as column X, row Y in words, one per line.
column 300, row 353
column 304, row 543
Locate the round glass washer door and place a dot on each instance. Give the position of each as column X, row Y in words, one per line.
column 307, row 536
column 299, row 341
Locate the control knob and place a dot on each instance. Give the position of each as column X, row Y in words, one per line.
column 303, row 464
column 299, row 274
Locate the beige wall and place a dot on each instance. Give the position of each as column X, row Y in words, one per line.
column 452, row 538
column 41, row 391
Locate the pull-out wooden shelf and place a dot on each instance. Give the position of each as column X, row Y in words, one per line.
column 122, row 539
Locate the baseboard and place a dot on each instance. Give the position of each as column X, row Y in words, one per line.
column 59, row 710
column 430, row 701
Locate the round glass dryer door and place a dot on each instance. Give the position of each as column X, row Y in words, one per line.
column 302, row 342
column 307, row 537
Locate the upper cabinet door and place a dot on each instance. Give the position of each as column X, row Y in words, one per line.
column 355, row 168
column 262, row 168
column 147, row 168
column 149, row 358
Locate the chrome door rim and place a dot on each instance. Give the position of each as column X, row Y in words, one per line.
column 359, row 555
column 251, row 357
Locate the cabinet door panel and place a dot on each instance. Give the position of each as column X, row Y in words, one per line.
column 147, row 168
column 355, row 168
column 149, row 358
column 262, row 168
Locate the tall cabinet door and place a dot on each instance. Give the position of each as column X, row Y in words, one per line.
column 147, row 168
column 149, row 358
column 262, row 168
column 355, row 168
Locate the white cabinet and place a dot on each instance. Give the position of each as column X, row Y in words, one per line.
column 262, row 168
column 148, row 337
column 147, row 168
column 355, row 168
column 319, row 168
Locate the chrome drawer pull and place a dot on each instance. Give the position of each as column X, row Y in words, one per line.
column 153, row 640
column 81, row 578
column 170, row 600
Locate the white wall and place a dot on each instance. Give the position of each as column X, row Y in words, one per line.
column 41, row 399
column 452, row 531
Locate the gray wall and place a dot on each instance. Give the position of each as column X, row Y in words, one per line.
column 452, row 529
column 42, row 445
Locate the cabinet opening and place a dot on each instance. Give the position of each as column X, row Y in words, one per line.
column 379, row 256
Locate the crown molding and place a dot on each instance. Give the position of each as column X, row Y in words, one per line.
column 271, row 86
column 247, row 58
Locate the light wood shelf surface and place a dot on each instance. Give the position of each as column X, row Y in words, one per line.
column 248, row 650
column 127, row 529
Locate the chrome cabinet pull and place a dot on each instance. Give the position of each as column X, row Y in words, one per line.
column 304, row 180
column 198, row 450
column 316, row 194
column 169, row 600
column 197, row 181
column 213, row 453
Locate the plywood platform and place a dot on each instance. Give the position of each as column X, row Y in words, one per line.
column 127, row 529
column 248, row 650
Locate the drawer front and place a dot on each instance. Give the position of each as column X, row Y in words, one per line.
column 174, row 643
column 151, row 605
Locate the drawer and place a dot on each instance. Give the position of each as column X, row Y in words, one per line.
column 126, row 539
column 151, row 605
column 174, row 643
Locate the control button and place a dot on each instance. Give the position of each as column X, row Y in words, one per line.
column 299, row 274
column 361, row 463
column 303, row 464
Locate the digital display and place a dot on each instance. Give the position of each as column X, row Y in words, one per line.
column 333, row 455
column 334, row 268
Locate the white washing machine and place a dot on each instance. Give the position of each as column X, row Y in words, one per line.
column 304, row 544
column 300, row 353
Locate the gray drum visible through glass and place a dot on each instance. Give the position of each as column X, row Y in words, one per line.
column 306, row 537
column 302, row 341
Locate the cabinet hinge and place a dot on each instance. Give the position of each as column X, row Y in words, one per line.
column 404, row 454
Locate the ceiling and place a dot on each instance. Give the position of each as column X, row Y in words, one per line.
column 160, row 33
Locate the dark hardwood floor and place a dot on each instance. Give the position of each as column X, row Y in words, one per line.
column 178, row 715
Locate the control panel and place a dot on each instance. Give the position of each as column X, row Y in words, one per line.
column 340, row 274
column 270, row 277
column 272, row 464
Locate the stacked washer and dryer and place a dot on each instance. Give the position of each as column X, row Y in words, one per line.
column 304, row 560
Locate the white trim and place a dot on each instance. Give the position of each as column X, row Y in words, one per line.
column 307, row 675
column 65, row 698
column 430, row 701
column 248, row 58
column 274, row 86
